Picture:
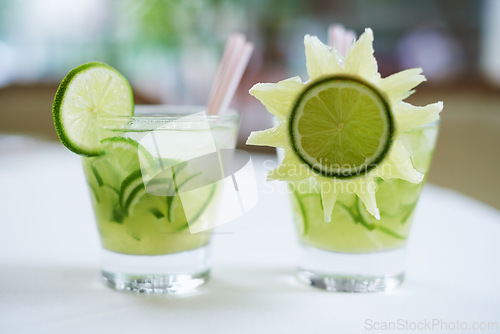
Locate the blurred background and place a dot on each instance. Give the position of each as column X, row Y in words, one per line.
column 169, row 50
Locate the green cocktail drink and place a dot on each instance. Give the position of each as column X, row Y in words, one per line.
column 355, row 156
column 129, row 218
column 154, row 200
column 352, row 229
column 154, row 174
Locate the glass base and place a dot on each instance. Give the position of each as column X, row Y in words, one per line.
column 349, row 272
column 171, row 273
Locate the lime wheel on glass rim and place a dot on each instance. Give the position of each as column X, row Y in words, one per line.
column 87, row 92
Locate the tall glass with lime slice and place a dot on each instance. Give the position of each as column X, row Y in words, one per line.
column 153, row 190
column 355, row 157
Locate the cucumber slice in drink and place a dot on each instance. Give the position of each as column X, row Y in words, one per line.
column 94, row 194
column 137, row 183
column 118, row 160
column 130, row 187
column 160, row 196
column 109, row 207
column 133, row 190
column 371, row 223
column 87, row 92
column 194, row 204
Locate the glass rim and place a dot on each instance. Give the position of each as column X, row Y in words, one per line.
column 150, row 115
column 166, row 112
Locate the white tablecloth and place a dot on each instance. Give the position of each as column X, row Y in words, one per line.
column 49, row 265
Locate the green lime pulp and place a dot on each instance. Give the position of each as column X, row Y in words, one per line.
column 341, row 126
column 352, row 229
column 134, row 221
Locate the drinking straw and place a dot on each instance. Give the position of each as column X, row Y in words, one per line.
column 233, row 40
column 235, row 57
column 340, row 38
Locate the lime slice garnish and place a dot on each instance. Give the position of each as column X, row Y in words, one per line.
column 87, row 92
column 341, row 126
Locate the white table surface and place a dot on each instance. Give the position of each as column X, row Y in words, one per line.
column 49, row 265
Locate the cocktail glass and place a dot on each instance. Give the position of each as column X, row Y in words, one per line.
column 155, row 195
column 355, row 252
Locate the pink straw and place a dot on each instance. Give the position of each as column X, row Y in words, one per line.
column 340, row 38
column 231, row 68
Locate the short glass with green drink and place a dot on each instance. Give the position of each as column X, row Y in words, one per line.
column 153, row 174
column 153, row 201
column 355, row 157
column 355, row 251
